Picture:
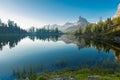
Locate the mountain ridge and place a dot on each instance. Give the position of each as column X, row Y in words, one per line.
column 117, row 14
column 72, row 26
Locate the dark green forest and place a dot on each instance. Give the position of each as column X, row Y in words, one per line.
column 101, row 27
column 10, row 28
column 44, row 31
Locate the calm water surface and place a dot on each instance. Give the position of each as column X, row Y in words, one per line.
column 49, row 54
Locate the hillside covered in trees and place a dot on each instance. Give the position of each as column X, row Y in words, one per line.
column 10, row 28
column 105, row 29
column 108, row 30
column 101, row 26
column 44, row 31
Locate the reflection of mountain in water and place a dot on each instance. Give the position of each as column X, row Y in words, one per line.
column 12, row 41
column 68, row 39
column 83, row 42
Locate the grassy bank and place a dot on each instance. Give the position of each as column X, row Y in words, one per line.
column 81, row 74
column 77, row 74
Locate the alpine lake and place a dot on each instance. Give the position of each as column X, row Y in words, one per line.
column 50, row 53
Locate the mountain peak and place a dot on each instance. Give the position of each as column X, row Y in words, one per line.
column 119, row 5
column 118, row 12
column 81, row 19
column 72, row 26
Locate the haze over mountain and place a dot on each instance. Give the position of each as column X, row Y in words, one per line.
column 44, row 12
column 72, row 26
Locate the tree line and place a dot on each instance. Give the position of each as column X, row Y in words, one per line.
column 101, row 26
column 10, row 28
column 46, row 30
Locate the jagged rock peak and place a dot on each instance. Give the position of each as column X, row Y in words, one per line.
column 119, row 6
column 118, row 12
column 81, row 19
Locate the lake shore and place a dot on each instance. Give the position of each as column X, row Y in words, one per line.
column 86, row 73
column 81, row 74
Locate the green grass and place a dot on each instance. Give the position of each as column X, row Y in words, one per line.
column 81, row 74
column 77, row 74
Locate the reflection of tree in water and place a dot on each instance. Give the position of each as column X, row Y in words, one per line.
column 45, row 37
column 101, row 45
column 61, row 63
column 117, row 55
column 12, row 41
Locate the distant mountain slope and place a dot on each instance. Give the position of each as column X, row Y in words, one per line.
column 117, row 13
column 70, row 26
column 74, row 25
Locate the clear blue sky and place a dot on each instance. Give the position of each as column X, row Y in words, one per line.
column 41, row 12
